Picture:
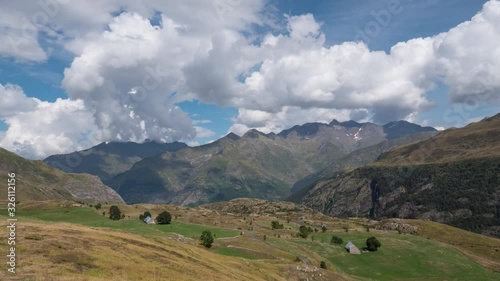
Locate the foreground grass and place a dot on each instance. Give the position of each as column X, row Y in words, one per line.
column 482, row 249
column 400, row 257
column 64, row 251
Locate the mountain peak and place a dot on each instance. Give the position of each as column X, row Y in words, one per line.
column 307, row 129
column 398, row 129
column 253, row 133
column 351, row 124
column 334, row 122
column 232, row 136
column 346, row 124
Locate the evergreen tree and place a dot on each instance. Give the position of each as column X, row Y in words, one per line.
column 373, row 244
column 115, row 213
column 164, row 218
column 207, row 239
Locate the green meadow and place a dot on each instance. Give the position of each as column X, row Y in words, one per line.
column 401, row 257
column 91, row 217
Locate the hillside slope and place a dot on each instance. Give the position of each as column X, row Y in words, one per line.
column 359, row 158
column 80, row 244
column 256, row 165
column 36, row 180
column 107, row 160
column 453, row 178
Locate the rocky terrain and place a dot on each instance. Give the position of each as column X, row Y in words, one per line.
column 36, row 180
column 255, row 165
column 451, row 178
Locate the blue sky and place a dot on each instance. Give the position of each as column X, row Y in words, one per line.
column 341, row 21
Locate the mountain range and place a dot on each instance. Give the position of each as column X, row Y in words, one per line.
column 452, row 178
column 255, row 165
column 342, row 169
column 107, row 160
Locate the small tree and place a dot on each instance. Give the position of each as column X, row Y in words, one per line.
column 322, row 264
column 276, row 225
column 98, row 206
column 141, row 217
column 147, row 214
column 372, row 244
column 164, row 218
column 207, row 239
column 115, row 213
column 323, row 229
column 336, row 240
column 304, row 231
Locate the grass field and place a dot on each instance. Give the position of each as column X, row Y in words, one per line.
column 401, row 257
column 91, row 217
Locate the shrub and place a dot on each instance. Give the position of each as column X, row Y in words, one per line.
column 164, row 218
column 207, row 239
column 145, row 215
column 322, row 264
column 276, row 225
column 98, row 206
column 372, row 244
column 304, row 231
column 336, row 240
column 115, row 213
column 323, row 229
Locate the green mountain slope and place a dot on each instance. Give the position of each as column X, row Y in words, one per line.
column 453, row 178
column 107, row 160
column 358, row 158
column 255, row 165
column 36, row 180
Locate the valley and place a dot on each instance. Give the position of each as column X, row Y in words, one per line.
column 451, row 178
column 429, row 198
column 84, row 245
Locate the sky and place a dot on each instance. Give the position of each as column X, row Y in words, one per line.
column 74, row 74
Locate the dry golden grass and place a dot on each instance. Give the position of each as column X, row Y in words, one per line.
column 62, row 251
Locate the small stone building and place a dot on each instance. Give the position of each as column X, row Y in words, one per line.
column 149, row 220
column 352, row 249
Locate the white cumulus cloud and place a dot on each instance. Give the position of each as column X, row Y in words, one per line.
column 37, row 129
